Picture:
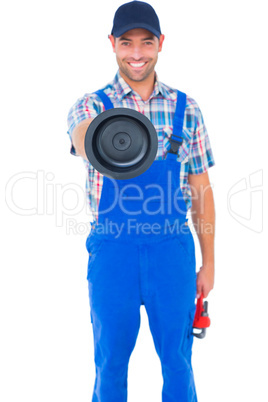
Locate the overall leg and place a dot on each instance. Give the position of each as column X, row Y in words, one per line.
column 170, row 307
column 115, row 311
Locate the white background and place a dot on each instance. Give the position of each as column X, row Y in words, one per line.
column 52, row 53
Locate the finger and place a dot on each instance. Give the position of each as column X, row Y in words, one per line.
column 205, row 292
column 198, row 289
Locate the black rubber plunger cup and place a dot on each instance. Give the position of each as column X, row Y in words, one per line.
column 121, row 143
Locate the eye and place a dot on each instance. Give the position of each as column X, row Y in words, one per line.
column 125, row 43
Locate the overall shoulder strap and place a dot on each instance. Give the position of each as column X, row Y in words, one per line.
column 105, row 99
column 177, row 136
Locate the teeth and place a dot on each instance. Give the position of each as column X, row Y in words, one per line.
column 137, row 64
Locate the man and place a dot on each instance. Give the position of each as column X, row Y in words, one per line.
column 147, row 257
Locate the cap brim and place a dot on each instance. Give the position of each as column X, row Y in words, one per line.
column 126, row 28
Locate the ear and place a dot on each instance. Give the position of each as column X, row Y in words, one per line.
column 112, row 40
column 161, row 40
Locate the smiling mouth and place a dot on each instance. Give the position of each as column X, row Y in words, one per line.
column 137, row 65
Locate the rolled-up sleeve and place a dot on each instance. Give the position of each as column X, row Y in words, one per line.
column 200, row 155
column 87, row 107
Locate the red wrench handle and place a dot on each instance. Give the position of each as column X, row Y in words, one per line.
column 201, row 319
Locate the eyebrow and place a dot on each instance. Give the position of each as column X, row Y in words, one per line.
column 129, row 40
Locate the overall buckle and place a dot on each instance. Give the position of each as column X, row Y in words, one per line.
column 175, row 143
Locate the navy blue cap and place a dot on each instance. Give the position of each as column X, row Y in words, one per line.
column 135, row 14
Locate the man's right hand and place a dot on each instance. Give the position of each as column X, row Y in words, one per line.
column 78, row 137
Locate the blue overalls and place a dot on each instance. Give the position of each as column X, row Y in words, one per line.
column 141, row 252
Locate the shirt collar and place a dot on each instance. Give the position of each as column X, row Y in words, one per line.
column 122, row 88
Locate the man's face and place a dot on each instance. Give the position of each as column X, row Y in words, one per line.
column 136, row 53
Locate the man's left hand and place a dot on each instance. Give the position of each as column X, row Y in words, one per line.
column 205, row 281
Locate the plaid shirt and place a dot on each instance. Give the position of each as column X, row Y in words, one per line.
column 195, row 152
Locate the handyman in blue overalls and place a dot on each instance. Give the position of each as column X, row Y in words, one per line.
column 141, row 250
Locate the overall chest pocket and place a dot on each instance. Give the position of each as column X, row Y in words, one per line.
column 151, row 192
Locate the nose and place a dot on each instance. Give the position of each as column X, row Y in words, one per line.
column 137, row 53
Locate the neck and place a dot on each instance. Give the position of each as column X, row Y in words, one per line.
column 144, row 88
